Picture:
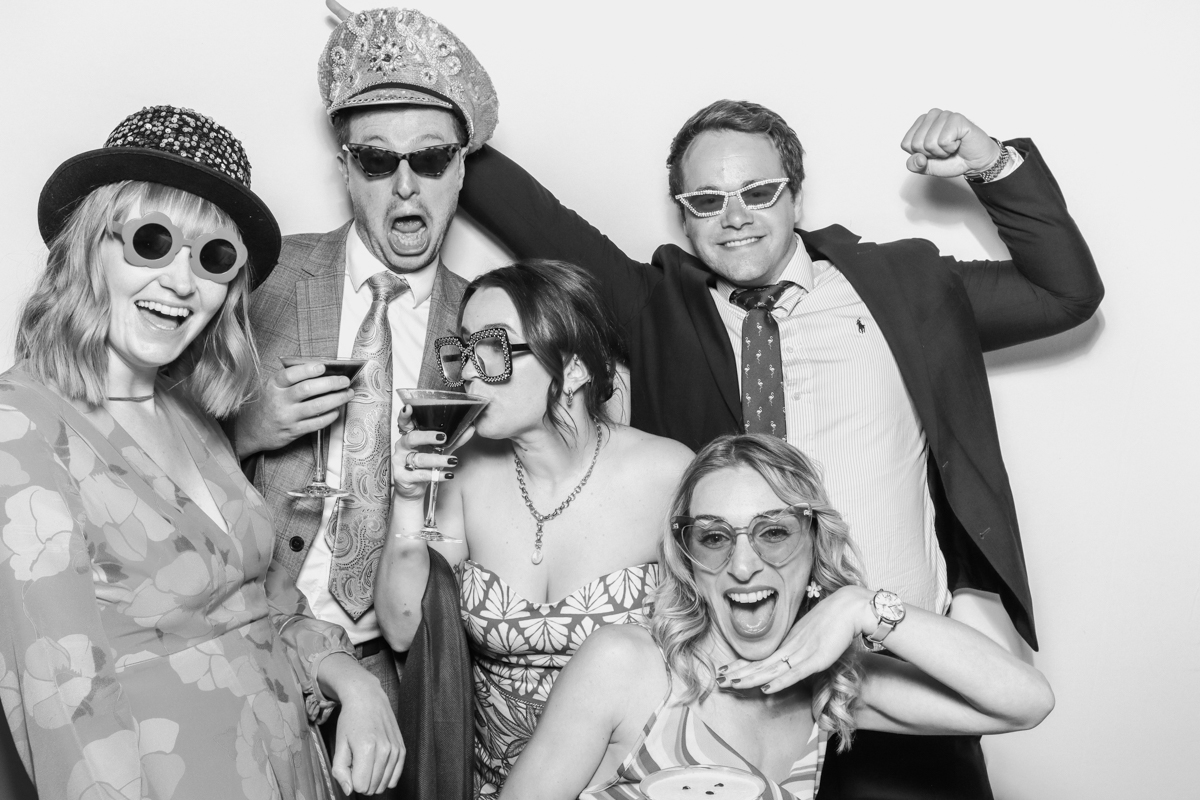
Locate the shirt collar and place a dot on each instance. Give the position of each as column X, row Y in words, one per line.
column 361, row 264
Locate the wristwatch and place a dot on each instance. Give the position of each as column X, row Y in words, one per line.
column 889, row 609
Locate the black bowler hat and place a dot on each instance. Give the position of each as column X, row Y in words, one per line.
column 175, row 147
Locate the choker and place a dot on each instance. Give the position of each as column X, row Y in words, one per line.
column 140, row 399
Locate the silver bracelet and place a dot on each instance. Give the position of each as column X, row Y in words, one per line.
column 991, row 173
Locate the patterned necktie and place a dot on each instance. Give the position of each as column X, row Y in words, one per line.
column 356, row 535
column 762, row 362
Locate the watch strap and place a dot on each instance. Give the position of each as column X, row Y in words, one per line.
column 991, row 173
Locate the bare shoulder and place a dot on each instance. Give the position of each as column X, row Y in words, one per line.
column 615, row 653
column 650, row 458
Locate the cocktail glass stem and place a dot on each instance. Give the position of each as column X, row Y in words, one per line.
column 431, row 494
column 319, row 459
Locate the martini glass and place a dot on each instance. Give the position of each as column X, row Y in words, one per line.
column 348, row 367
column 448, row 412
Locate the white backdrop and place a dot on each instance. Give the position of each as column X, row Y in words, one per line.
column 1098, row 425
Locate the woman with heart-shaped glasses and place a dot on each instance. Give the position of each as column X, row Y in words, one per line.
column 149, row 650
column 754, row 549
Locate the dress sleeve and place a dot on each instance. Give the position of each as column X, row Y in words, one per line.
column 72, row 723
column 307, row 640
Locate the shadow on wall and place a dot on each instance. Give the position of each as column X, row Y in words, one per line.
column 949, row 203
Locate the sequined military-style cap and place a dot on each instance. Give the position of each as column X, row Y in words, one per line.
column 399, row 56
column 176, row 147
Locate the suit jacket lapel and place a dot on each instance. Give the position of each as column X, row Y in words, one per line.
column 696, row 283
column 319, row 296
column 443, row 321
column 884, row 294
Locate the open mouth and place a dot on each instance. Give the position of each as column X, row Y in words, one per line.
column 409, row 235
column 752, row 611
column 161, row 315
column 741, row 242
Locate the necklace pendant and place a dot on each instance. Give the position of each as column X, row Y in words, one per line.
column 536, row 557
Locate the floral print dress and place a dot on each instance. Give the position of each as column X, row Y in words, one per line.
column 519, row 647
column 145, row 652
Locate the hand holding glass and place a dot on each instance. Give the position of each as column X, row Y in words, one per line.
column 348, row 368
column 451, row 413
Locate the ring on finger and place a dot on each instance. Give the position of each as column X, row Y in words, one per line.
column 410, row 460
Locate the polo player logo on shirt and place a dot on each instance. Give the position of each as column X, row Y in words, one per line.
column 861, row 328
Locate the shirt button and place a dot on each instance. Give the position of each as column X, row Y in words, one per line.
column 296, row 543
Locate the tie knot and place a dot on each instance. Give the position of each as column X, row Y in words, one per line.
column 759, row 296
column 386, row 286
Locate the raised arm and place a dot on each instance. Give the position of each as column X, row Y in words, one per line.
column 955, row 681
column 532, row 223
column 404, row 565
column 1051, row 283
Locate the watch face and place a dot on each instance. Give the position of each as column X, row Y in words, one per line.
column 888, row 606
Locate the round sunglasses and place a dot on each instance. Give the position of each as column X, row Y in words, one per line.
column 379, row 162
column 154, row 241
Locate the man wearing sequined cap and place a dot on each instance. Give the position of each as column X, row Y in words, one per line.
column 407, row 101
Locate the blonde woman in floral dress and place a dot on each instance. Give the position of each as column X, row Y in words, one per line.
column 146, row 648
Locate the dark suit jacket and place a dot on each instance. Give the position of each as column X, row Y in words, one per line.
column 297, row 310
column 938, row 315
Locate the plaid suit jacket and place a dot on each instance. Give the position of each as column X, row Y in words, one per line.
column 297, row 310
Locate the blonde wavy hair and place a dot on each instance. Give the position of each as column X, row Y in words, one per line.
column 62, row 335
column 682, row 618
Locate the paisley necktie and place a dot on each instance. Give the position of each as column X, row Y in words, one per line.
column 356, row 534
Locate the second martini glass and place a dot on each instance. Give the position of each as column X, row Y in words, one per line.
column 448, row 412
column 348, row 367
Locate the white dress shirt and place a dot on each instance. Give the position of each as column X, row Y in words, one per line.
column 848, row 409
column 408, row 318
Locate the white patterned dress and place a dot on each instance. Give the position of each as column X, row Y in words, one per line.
column 518, row 648
column 145, row 650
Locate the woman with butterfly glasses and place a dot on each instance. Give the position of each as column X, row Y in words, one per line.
column 558, row 506
column 754, row 548
column 147, row 649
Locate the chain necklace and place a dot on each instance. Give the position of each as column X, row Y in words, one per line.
column 540, row 518
column 139, row 399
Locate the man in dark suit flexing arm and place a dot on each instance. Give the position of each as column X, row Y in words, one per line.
column 866, row 356
column 407, row 101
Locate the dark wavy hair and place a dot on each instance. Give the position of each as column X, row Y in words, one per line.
column 562, row 316
column 740, row 116
column 682, row 618
column 62, row 337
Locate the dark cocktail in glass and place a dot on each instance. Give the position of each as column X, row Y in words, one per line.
column 448, row 412
column 349, row 368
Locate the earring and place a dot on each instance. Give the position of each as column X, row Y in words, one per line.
column 570, row 393
column 813, row 591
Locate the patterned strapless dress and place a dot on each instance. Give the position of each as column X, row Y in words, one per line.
column 518, row 648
